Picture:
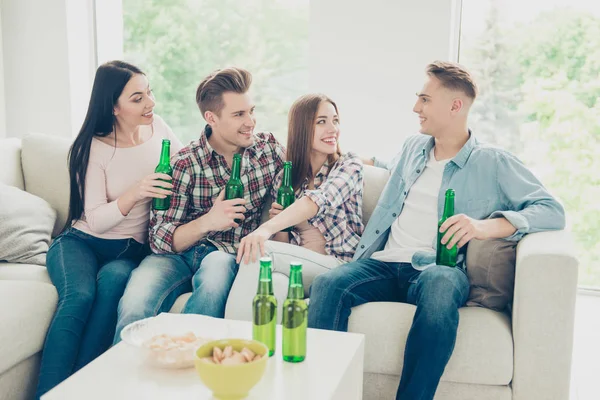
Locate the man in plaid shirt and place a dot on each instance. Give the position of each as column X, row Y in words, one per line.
column 196, row 239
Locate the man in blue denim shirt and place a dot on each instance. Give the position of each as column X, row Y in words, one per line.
column 496, row 197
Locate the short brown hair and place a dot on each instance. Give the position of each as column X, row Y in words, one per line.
column 453, row 76
column 301, row 133
column 209, row 95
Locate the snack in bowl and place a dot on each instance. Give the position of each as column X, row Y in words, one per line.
column 163, row 346
column 173, row 351
column 231, row 367
column 228, row 356
column 166, row 342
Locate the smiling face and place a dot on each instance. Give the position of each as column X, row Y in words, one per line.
column 435, row 106
column 235, row 122
column 444, row 101
column 136, row 103
column 327, row 129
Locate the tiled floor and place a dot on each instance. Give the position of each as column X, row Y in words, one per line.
column 585, row 373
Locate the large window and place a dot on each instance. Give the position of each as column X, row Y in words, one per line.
column 178, row 42
column 537, row 63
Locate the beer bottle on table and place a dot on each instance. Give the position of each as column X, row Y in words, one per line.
column 164, row 167
column 285, row 194
column 234, row 188
column 264, row 308
column 295, row 317
column 445, row 256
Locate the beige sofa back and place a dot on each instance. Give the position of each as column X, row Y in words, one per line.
column 10, row 163
column 46, row 174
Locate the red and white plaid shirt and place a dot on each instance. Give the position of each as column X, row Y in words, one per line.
column 199, row 175
column 338, row 193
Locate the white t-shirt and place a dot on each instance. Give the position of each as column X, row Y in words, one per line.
column 416, row 226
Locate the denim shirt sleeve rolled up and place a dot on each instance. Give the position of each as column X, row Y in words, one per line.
column 528, row 206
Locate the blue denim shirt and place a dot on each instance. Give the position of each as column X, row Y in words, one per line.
column 489, row 183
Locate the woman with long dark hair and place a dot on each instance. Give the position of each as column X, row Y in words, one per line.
column 327, row 214
column 111, row 164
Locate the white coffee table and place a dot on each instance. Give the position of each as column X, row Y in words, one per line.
column 333, row 369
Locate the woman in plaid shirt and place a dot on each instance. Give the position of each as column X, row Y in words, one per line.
column 327, row 215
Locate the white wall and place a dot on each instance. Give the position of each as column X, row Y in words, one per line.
column 2, row 101
column 48, row 64
column 82, row 59
column 109, row 30
column 369, row 57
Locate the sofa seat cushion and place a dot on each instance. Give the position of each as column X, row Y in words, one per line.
column 23, row 272
column 483, row 353
column 27, row 310
column 180, row 303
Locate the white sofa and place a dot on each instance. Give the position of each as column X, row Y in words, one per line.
column 523, row 356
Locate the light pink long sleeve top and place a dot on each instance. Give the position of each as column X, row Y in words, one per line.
column 112, row 172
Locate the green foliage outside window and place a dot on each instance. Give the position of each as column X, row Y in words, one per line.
column 178, row 42
column 540, row 86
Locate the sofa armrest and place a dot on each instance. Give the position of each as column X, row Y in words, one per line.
column 543, row 316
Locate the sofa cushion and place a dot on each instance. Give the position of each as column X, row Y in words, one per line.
column 19, row 382
column 25, row 321
column 180, row 303
column 483, row 353
column 375, row 180
column 10, row 163
column 46, row 173
column 27, row 222
column 491, row 271
column 23, row 272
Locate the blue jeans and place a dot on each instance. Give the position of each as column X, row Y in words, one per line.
column 162, row 278
column 438, row 292
column 90, row 275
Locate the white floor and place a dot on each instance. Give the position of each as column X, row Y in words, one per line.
column 585, row 373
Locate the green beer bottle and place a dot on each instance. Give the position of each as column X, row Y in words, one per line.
column 295, row 317
column 443, row 255
column 164, row 167
column 234, row 188
column 264, row 308
column 285, row 194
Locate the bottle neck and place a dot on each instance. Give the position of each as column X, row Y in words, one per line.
column 296, row 288
column 236, row 168
column 448, row 207
column 165, row 154
column 265, row 282
column 287, row 175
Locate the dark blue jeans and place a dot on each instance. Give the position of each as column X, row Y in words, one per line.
column 438, row 292
column 90, row 275
column 161, row 278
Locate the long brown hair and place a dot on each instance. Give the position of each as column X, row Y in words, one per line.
column 301, row 133
column 109, row 82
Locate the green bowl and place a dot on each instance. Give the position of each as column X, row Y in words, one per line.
column 230, row 382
